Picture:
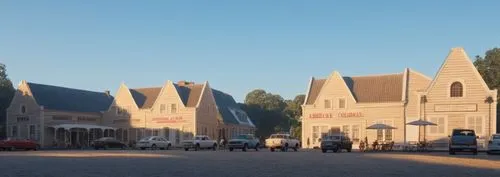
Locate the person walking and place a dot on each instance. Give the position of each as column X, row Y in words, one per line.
column 222, row 144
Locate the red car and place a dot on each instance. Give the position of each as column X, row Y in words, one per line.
column 18, row 143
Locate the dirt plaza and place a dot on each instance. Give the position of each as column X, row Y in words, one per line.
column 223, row 163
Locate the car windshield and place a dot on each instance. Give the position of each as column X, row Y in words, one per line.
column 496, row 137
column 277, row 136
column 463, row 133
column 242, row 137
column 146, row 138
column 332, row 138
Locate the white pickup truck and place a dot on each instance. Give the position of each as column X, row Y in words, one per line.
column 200, row 142
column 282, row 141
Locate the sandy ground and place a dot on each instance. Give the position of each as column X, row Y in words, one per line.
column 241, row 164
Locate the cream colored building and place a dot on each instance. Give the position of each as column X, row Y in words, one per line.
column 455, row 98
column 58, row 116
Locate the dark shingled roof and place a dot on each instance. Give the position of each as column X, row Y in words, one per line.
column 183, row 93
column 145, row 97
column 68, row 99
column 224, row 103
column 194, row 95
column 314, row 91
column 366, row 89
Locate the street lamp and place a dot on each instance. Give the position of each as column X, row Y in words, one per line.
column 489, row 100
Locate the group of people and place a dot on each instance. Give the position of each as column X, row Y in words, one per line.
column 364, row 146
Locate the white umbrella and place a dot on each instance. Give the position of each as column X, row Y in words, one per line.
column 380, row 127
column 421, row 123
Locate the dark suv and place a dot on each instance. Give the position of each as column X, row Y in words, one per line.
column 336, row 143
column 463, row 140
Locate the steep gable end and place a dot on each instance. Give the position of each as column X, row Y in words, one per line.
column 145, row 97
column 314, row 89
column 457, row 67
column 335, row 85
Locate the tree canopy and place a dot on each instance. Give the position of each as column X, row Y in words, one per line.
column 6, row 94
column 489, row 68
column 271, row 113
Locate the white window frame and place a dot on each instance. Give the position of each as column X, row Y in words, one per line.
column 445, row 119
column 345, row 103
column 324, row 103
column 383, row 121
column 483, row 124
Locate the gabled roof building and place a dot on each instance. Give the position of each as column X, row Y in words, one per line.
column 454, row 98
column 59, row 116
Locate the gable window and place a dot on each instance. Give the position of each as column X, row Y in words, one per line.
column 328, row 104
column 22, row 109
column 456, row 90
column 162, row 108
column 342, row 104
column 440, row 125
column 173, row 108
column 475, row 123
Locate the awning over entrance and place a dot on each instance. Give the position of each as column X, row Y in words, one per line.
column 84, row 126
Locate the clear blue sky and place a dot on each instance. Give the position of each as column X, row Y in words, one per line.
column 236, row 45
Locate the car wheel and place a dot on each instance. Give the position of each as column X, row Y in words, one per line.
column 257, row 147
column 214, row 147
column 197, row 147
column 168, row 146
column 323, row 150
column 153, row 147
column 186, row 149
column 231, row 149
column 244, row 147
column 285, row 148
column 271, row 149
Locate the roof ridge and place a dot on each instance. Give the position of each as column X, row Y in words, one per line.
column 66, row 87
column 145, row 88
column 378, row 75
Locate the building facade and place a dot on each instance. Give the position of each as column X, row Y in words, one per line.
column 58, row 116
column 455, row 98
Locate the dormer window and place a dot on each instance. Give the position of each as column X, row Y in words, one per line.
column 456, row 90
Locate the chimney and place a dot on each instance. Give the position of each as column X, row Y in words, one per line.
column 107, row 92
column 185, row 83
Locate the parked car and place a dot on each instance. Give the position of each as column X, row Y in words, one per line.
column 282, row 141
column 244, row 142
column 336, row 143
column 463, row 140
column 494, row 144
column 200, row 142
column 18, row 143
column 107, row 143
column 153, row 142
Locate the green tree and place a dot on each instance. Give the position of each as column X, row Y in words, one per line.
column 489, row 68
column 6, row 94
column 267, row 101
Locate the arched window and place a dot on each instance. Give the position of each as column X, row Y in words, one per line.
column 23, row 109
column 456, row 90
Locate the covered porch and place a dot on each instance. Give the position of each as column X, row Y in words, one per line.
column 78, row 135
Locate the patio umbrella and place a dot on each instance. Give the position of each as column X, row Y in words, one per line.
column 421, row 123
column 380, row 127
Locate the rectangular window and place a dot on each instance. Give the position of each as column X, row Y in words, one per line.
column 173, row 108
column 328, row 104
column 342, row 104
column 380, row 135
column 439, row 128
column 355, row 133
column 162, row 108
column 14, row 131
column 32, row 132
column 345, row 130
column 475, row 123
column 315, row 134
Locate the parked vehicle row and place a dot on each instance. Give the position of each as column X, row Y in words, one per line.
column 18, row 143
